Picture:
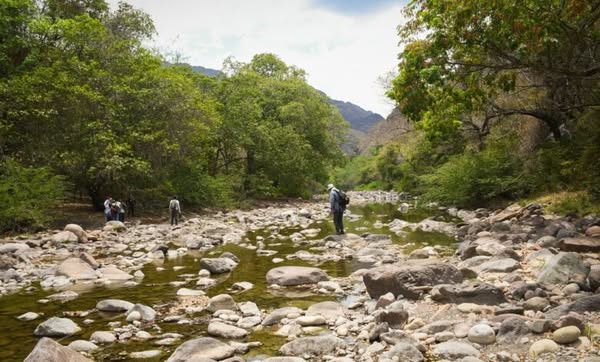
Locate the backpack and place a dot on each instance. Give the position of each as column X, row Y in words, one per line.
column 343, row 199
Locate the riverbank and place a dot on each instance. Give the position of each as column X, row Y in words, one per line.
column 213, row 286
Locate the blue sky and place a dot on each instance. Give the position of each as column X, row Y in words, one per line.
column 344, row 46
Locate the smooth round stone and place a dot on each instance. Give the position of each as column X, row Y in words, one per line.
column 566, row 335
column 543, row 346
column 311, row 320
column 482, row 334
column 82, row 346
column 185, row 292
column 103, row 337
column 29, row 316
column 145, row 354
column 134, row 316
column 536, row 303
column 143, row 335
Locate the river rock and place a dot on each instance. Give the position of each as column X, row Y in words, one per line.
column 330, row 310
column 249, row 309
column 103, row 337
column 594, row 277
column 205, row 347
column 295, row 275
column 585, row 304
column 77, row 269
column 113, row 305
column 29, row 316
column 564, row 268
column 536, row 303
column 504, row 265
column 151, row 353
column 580, row 244
column 454, row 350
column 146, row 313
column 115, row 225
column 82, row 236
column 111, row 272
column 218, row 265
column 481, row 334
column 284, row 359
column 221, row 301
column 82, row 346
column 512, row 330
column 542, row 346
column 278, row 314
column 477, row 293
column 394, row 315
column 89, row 260
column 408, row 279
column 64, row 237
column 311, row 320
column 218, row 329
column 47, row 350
column 566, row 335
column 56, row 327
column 496, row 250
column 185, row 292
column 314, row 346
column 8, row 248
column 403, row 352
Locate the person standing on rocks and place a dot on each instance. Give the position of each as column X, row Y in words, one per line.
column 336, row 209
column 107, row 209
column 130, row 205
column 175, row 210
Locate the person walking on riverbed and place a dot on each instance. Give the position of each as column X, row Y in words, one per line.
column 337, row 208
column 175, row 210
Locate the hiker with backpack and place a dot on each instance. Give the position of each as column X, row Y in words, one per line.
column 338, row 201
column 175, row 209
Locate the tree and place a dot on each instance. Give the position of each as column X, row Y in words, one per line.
column 468, row 63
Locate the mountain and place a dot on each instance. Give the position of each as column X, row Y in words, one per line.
column 394, row 128
column 207, row 71
column 359, row 119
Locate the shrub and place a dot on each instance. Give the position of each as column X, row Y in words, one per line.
column 27, row 196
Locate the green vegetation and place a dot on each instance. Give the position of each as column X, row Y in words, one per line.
column 81, row 97
column 504, row 99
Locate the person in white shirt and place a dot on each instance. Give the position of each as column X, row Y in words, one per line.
column 175, row 210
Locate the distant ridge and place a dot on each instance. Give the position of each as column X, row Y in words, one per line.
column 359, row 119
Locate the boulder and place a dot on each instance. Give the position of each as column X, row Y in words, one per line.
column 77, row 269
column 564, row 268
column 594, row 277
column 205, row 347
column 411, row 279
column 580, row 244
column 566, row 335
column 278, row 314
column 111, row 272
column 329, row 310
column 504, row 265
column 9, row 248
column 314, row 346
column 542, row 346
column 113, row 305
column 481, row 334
column 477, row 293
column 87, row 258
column 221, row 301
column 56, row 327
column 146, row 313
column 452, row 350
column 47, row 350
column 585, row 304
column 102, row 337
column 64, row 237
column 82, row 236
column 394, row 315
column 403, row 352
column 82, row 346
column 295, row 275
column 218, row 329
column 218, row 265
column 512, row 330
column 114, row 225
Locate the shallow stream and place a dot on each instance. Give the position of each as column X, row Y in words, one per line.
column 17, row 340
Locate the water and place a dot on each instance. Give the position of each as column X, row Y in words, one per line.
column 17, row 340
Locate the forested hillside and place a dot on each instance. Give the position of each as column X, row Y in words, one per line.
column 504, row 97
column 86, row 109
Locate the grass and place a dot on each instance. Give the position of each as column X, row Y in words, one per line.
column 580, row 203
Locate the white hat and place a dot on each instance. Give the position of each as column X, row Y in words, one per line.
column 329, row 187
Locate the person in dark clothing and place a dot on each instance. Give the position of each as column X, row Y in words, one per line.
column 175, row 210
column 336, row 209
column 130, row 205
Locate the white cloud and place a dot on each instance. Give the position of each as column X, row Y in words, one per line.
column 342, row 54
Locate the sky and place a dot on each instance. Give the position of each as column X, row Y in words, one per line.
column 343, row 45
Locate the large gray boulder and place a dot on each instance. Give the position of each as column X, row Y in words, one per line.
column 563, row 268
column 410, row 279
column 56, row 327
column 295, row 275
column 64, row 237
column 478, row 293
column 77, row 269
column 205, row 347
column 278, row 314
column 218, row 265
column 404, row 352
column 47, row 350
column 221, row 301
column 113, row 305
column 585, row 304
column 111, row 272
column 504, row 265
column 78, row 231
column 314, row 346
column 219, row 329
column 580, row 244
column 453, row 350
